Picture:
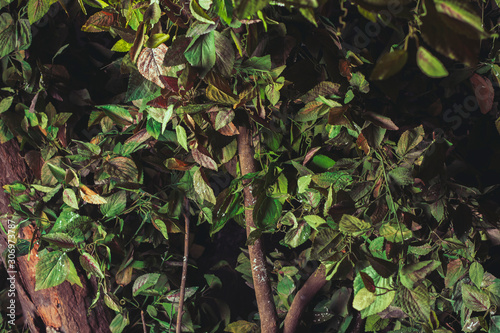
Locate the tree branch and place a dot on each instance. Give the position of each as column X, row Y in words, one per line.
column 180, row 310
column 263, row 292
column 313, row 284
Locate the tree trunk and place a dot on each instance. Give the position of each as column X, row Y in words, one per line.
column 263, row 292
column 59, row 309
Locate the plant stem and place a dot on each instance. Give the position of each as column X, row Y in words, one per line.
column 262, row 287
column 180, row 310
column 313, row 284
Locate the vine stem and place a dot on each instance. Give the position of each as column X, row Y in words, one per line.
column 262, row 286
column 180, row 311
column 313, row 284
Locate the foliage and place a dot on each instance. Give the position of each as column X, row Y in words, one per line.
column 363, row 165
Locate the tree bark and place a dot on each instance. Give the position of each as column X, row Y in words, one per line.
column 263, row 291
column 63, row 308
column 313, row 284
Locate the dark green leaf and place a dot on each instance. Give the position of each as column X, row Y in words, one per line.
column 475, row 299
column 201, row 54
column 389, row 64
column 115, row 204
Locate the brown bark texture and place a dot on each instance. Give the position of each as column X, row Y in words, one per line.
column 62, row 308
column 262, row 287
column 313, row 284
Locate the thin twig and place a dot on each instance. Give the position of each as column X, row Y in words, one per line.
column 143, row 322
column 180, row 310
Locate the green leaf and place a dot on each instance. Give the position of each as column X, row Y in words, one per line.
column 181, row 136
column 314, row 221
column 119, row 323
column 200, row 53
column 118, row 114
column 476, row 273
column 384, row 292
column 415, row 302
column 7, row 34
column 69, row 198
column 395, row 233
column 495, row 320
column 205, row 192
column 4, row 3
column 60, row 239
column 91, row 265
column 224, row 117
column 461, row 17
column 409, row 140
column 122, row 169
column 286, row 286
column 115, row 204
column 161, row 226
column 224, row 50
column 121, row 46
column 143, row 282
column 5, row 133
column 58, row 172
column 339, row 179
column 389, row 64
column 475, row 299
column 6, row 103
column 51, row 269
column 358, row 80
column 217, row 95
column 363, row 299
column 73, row 277
column 242, row 326
column 246, row 8
column 429, row 64
column 266, row 212
column 352, row 225
column 256, row 64
column 213, row 281
column 297, row 235
column 199, row 13
column 412, row 275
column 401, row 176
column 38, row 8
column 175, row 295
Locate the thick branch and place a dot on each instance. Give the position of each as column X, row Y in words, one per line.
column 263, row 292
column 313, row 284
column 180, row 310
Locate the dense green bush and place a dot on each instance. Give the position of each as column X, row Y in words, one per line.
column 372, row 125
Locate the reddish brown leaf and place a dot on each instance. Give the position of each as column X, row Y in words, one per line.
column 100, row 21
column 336, row 116
column 345, row 68
column 34, row 160
column 310, row 155
column 150, row 64
column 204, row 159
column 176, row 164
column 483, row 89
column 368, row 282
column 362, row 143
column 139, row 137
column 170, row 83
column 380, row 121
